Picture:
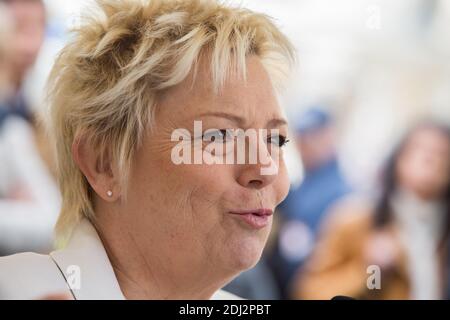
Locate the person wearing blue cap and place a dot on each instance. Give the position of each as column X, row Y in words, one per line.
column 305, row 206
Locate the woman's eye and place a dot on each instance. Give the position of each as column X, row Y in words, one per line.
column 219, row 136
column 278, row 140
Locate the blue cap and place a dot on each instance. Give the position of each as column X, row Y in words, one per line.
column 313, row 119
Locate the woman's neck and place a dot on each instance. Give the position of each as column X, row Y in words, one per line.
column 155, row 274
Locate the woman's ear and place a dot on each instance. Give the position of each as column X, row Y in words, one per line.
column 97, row 169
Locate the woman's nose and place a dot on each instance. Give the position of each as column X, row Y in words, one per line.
column 257, row 176
column 261, row 167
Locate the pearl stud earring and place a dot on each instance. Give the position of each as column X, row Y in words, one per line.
column 109, row 193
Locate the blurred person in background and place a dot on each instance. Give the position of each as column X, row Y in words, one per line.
column 27, row 37
column 29, row 198
column 406, row 235
column 305, row 206
column 257, row 283
column 5, row 52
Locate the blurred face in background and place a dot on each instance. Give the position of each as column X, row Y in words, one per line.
column 28, row 35
column 423, row 166
column 316, row 147
column 5, row 50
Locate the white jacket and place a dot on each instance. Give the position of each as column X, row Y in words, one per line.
column 82, row 269
column 25, row 225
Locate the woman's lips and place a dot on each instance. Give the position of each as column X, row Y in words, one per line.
column 257, row 218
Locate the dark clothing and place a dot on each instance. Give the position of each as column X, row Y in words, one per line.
column 306, row 206
column 16, row 107
column 311, row 200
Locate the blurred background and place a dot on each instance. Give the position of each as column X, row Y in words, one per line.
column 369, row 158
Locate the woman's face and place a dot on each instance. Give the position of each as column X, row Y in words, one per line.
column 424, row 165
column 193, row 214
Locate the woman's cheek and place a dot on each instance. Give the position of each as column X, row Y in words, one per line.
column 282, row 184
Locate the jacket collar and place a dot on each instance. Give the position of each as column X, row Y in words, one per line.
column 86, row 267
column 88, row 271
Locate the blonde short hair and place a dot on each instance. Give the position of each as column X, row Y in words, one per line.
column 104, row 84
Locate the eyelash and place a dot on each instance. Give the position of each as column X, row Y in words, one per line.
column 282, row 140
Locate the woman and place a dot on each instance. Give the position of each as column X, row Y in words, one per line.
column 138, row 223
column 399, row 249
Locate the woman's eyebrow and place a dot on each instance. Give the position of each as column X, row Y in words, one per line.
column 229, row 116
column 276, row 122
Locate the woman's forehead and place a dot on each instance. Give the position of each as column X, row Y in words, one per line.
column 247, row 98
column 429, row 135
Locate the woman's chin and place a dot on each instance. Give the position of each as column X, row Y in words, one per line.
column 244, row 252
